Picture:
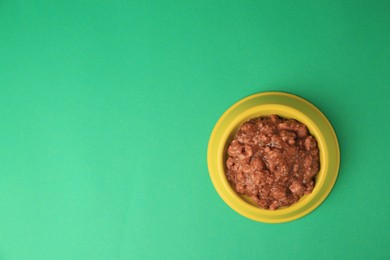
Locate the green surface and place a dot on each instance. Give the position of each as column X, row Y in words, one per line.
column 106, row 109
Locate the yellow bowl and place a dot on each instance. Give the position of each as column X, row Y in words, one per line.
column 288, row 106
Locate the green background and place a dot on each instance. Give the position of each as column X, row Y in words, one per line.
column 106, row 109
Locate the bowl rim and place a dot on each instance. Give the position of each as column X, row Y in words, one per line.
column 290, row 106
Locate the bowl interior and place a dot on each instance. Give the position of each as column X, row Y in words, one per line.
column 285, row 112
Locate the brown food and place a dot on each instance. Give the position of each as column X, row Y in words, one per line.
column 273, row 160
